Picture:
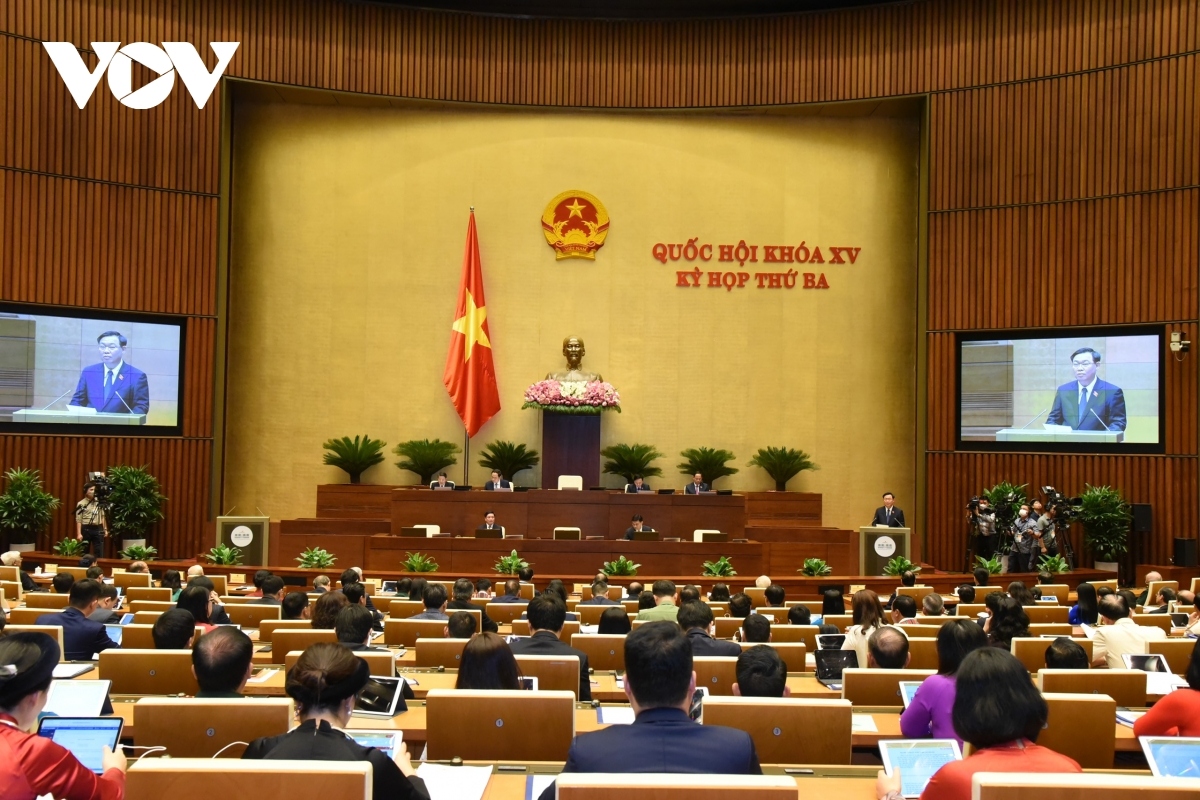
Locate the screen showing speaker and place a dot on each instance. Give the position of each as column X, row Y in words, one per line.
column 89, row 373
column 1074, row 391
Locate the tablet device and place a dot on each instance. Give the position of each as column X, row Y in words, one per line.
column 385, row 742
column 1179, row 620
column 381, row 697
column 908, row 690
column 76, row 698
column 126, row 619
column 1172, row 756
column 389, row 587
column 530, row 683
column 114, row 632
column 831, row 664
column 85, row 737
column 1145, row 662
column 917, row 760
column 830, row 641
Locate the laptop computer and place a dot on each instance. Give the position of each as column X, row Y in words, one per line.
column 831, row 664
column 419, row 533
column 381, row 697
column 1172, row 756
column 1159, row 678
column 489, row 533
column 830, row 641
column 917, row 760
column 389, row 587
column 645, row 535
column 68, row 698
column 85, row 737
column 383, row 741
column 666, row 491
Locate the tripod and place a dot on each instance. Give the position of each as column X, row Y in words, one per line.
column 972, row 531
column 1068, row 552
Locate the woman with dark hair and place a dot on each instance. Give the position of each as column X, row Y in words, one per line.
column 999, row 711
column 1017, row 591
column 615, row 621
column 1009, row 622
column 172, row 580
column 35, row 765
column 1177, row 714
column 646, row 600
column 832, row 602
column 325, row 610
column 868, row 618
column 929, row 712
column 488, row 663
column 719, row 593
column 1086, row 610
column 197, row 600
column 325, row 683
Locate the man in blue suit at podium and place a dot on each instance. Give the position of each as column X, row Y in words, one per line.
column 1088, row 403
column 112, row 386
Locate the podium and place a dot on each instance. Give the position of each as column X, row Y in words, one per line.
column 878, row 546
column 34, row 415
column 251, row 535
column 1059, row 437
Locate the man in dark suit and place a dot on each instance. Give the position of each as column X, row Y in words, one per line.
column 353, row 628
column 887, row 514
column 696, row 486
column 497, row 482
column 112, row 386
column 82, row 637
column 696, row 619
column 222, row 665
column 489, row 522
column 463, row 591
column 659, row 683
column 440, row 482
column 547, row 613
column 512, row 592
column 636, row 525
column 1088, row 403
column 272, row 591
column 761, row 673
column 638, row 485
column 599, row 595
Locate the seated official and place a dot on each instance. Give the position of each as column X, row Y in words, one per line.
column 325, row 610
column 353, row 629
column 599, row 595
column 295, row 606
column 13, row 559
column 353, row 575
column 441, row 482
column 403, row 587
column 556, row 587
column 904, row 610
column 174, row 630
column 272, row 590
column 719, row 593
column 689, row 594
column 659, row 682
column 664, row 603
column 512, row 592
column 756, row 629
column 1018, row 591
column 887, row 648
column 908, row 578
column 696, row 486
column 1178, row 713
column 62, row 582
column 800, row 615
column 761, row 672
column 638, row 485
column 197, row 600
column 999, row 711
column 483, row 589
column 325, row 683
column 221, row 662
column 1162, row 603
column 34, row 765
column 171, row 579
column 463, row 591
column 104, row 613
column 547, row 612
column 634, row 590
column 138, row 567
column 356, row 595
column 929, row 713
column 614, row 621
column 868, row 616
column 435, row 603
column 932, row 605
column 1119, row 634
column 1063, row 653
column 740, row 605
column 488, row 664
column 82, row 637
column 965, row 592
column 489, row 522
column 321, row 584
column 497, row 482
column 646, row 602
column 461, row 625
column 636, row 525
column 696, row 620
column 775, row 595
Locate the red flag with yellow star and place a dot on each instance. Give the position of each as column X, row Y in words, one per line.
column 470, row 375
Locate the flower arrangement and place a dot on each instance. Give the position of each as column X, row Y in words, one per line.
column 573, row 397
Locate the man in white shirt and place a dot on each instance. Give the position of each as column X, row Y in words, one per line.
column 1119, row 634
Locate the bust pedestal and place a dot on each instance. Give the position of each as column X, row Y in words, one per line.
column 570, row 446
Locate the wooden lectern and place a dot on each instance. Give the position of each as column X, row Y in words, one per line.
column 879, row 545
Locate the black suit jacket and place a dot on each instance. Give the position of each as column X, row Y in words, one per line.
column 491, row 487
column 896, row 521
column 545, row 643
column 662, row 740
column 509, row 598
column 489, row 625
column 691, row 488
column 705, row 645
column 599, row 600
column 82, row 637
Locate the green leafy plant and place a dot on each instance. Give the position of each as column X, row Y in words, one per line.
column 135, row 504
column 416, row 562
column 992, row 565
column 70, row 547
column 139, row 552
column 354, row 456
column 426, row 457
column 510, row 564
column 815, row 567
column 316, row 558
column 225, row 554
column 1006, row 500
column 508, row 458
column 721, row 568
column 900, row 565
column 782, row 464
column 621, row 566
column 710, row 463
column 1106, row 517
column 1053, row 564
column 631, row 460
column 25, row 507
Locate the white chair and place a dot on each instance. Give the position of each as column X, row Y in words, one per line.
column 570, row 482
column 430, row 530
column 698, row 534
column 568, row 533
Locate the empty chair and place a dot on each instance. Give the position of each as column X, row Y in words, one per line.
column 792, row 653
column 160, row 593
column 553, row 673
column 11, row 590
column 249, row 615
column 1050, row 629
column 699, row 534
column 1162, row 621
column 1049, row 613
column 150, row 605
column 147, row 617
column 1049, row 786
column 786, row 730
column 777, row 614
column 28, row 616
column 430, row 530
column 840, row 621
column 199, row 728
column 500, row 725
column 725, row 627
column 1061, row 591
column 570, row 482
column 717, row 673
column 405, row 632
column 149, row 671
column 267, row 628
column 604, row 786
column 915, row 592
column 204, row 777
column 1177, row 652
column 1080, row 726
column 285, row 640
column 403, row 609
column 758, row 597
column 604, row 651
column 796, row 633
column 124, row 580
column 1126, row 686
column 878, row 687
column 137, row 637
column 922, row 652
column 440, row 652
column 568, row 533
column 47, row 601
column 505, row 613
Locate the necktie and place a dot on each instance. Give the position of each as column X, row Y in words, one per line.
column 889, row 515
column 108, row 387
column 1083, row 400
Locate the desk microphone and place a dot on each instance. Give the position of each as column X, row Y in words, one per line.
column 55, row 400
column 1035, row 416
column 122, row 399
column 1097, row 416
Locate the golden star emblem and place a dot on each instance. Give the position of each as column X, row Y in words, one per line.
column 576, row 208
column 470, row 325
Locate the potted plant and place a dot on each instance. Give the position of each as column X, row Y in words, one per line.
column 1106, row 518
column 316, row 558
column 508, row 458
column 510, row 564
column 70, row 547
column 1054, row 564
column 782, row 464
column 815, row 567
column 416, row 562
column 138, row 552
column 992, row 565
column 225, row 554
column 354, row 456
column 900, row 565
column 721, row 568
column 709, row 462
column 631, row 460
column 620, row 566
column 134, row 505
column 426, row 457
column 25, row 508
column 1006, row 500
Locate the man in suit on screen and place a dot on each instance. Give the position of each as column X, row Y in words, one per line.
column 113, row 386
column 887, row 514
column 1088, row 403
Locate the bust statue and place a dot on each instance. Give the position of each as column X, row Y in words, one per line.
column 574, row 351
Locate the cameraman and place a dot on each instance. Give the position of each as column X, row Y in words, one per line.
column 1046, row 534
column 1025, row 549
column 984, row 520
column 90, row 522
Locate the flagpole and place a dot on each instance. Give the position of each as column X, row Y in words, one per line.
column 466, row 456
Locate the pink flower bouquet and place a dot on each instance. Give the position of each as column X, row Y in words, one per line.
column 573, row 397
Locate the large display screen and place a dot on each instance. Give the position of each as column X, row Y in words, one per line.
column 1079, row 391
column 109, row 374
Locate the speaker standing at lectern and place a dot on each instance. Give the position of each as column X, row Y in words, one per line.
column 887, row 514
column 1088, row 403
column 112, row 386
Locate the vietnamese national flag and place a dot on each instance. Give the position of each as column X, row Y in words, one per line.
column 470, row 375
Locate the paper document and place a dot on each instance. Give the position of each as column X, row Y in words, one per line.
column 455, row 783
column 615, row 715
column 263, row 676
column 1163, row 683
column 863, row 723
column 1088, row 630
column 1127, row 718
column 536, row 784
column 63, row 672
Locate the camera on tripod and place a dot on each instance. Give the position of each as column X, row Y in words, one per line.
column 104, row 487
column 1065, row 508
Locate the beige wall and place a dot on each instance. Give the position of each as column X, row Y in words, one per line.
column 348, row 230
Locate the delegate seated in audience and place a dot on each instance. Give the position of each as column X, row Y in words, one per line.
column 104, row 613
column 353, row 628
column 1086, row 610
column 1018, row 591
column 435, row 603
column 867, row 618
column 965, row 593
column 982, row 576
column 295, row 606
column 321, row 584
column 887, row 648
column 634, row 590
column 463, row 591
column 197, row 600
column 172, row 580
column 615, row 621
column 719, row 593
column 659, row 682
column 755, row 628
column 34, row 765
column 908, row 578
column 932, row 605
column 1143, row 598
column 324, row 683
column 904, row 610
column 646, row 602
column 1178, row 713
column 174, row 630
column 460, row 626
column 221, row 662
column 740, row 605
column 688, row 594
column 95, row 573
column 547, row 613
column 82, row 637
column 1000, row 713
column 325, row 610
column 599, row 595
column 138, row 568
column 557, row 587
column 512, row 592
column 696, row 620
column 356, row 595
column 1045, row 577
column 929, row 714
column 259, row 576
column 62, row 582
column 775, row 595
column 483, row 589
column 403, row 587
column 1007, row 623
column 272, row 590
column 488, row 664
column 194, row 570
column 832, row 602
column 355, row 575
column 799, row 615
column 526, row 575
column 1162, row 602
column 217, row 616
column 1062, row 653
column 1119, row 634
column 761, row 673
column 13, row 559
column 664, row 603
